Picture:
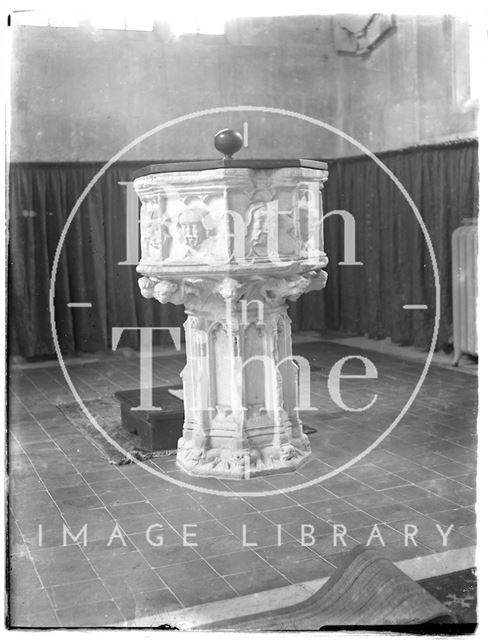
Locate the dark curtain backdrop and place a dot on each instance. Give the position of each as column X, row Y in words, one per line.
column 442, row 181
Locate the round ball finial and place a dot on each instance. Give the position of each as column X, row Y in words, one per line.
column 228, row 142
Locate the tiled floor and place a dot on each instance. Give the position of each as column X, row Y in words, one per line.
column 421, row 474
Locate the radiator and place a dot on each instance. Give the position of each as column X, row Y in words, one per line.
column 464, row 289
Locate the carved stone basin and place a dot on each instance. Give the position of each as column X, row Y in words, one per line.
column 232, row 241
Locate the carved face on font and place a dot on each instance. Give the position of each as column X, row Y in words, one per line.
column 191, row 226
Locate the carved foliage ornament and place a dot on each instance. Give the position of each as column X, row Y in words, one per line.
column 271, row 290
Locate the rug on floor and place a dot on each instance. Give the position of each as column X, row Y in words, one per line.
column 106, row 411
column 457, row 591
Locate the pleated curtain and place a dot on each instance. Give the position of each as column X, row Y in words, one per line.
column 365, row 300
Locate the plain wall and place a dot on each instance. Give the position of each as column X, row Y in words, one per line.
column 80, row 94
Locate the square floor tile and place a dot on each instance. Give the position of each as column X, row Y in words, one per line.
column 99, row 614
column 286, row 515
column 468, row 479
column 148, row 603
column 343, row 486
column 430, row 504
column 265, row 503
column 135, row 509
column 185, row 573
column 452, row 469
column 140, row 580
column 79, row 502
column 35, row 620
column 247, row 523
column 169, row 555
column 237, row 562
column 417, row 474
column 203, row 530
column 332, row 504
column 393, row 512
column 407, row 493
column 313, row 525
column 228, row 543
column 406, row 552
column 187, row 515
column 283, row 480
column 366, row 500
column 281, row 557
column 69, row 595
column 30, row 601
column 353, row 519
column 469, row 530
column 167, row 502
column 140, row 523
column 458, row 517
column 328, row 543
column 191, row 594
column 62, row 565
column 364, row 470
column 116, row 497
column 22, row 574
column 384, row 481
column 311, row 569
column 108, row 546
column 155, row 537
column 314, row 493
column 252, row 582
column 442, row 486
column 220, row 507
column 99, row 523
column 118, row 562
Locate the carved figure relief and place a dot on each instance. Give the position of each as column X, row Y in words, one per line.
column 150, row 232
column 261, row 218
column 308, row 212
column 257, row 230
column 287, row 237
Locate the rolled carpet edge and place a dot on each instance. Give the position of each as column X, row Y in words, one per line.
column 366, row 589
